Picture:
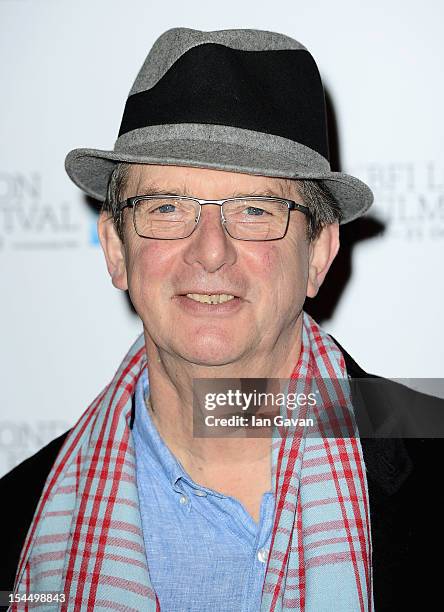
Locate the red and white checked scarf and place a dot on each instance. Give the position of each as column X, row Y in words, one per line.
column 86, row 537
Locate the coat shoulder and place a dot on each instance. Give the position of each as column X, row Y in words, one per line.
column 403, row 476
column 20, row 491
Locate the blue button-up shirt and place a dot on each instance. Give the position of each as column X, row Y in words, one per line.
column 204, row 550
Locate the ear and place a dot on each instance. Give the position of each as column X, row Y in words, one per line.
column 323, row 250
column 113, row 250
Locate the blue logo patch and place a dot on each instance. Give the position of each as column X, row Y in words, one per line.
column 93, row 235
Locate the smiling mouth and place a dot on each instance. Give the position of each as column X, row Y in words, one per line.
column 214, row 298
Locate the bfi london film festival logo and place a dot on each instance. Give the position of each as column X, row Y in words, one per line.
column 29, row 221
column 409, row 198
column 21, row 439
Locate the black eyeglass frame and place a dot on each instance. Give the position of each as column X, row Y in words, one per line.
column 291, row 205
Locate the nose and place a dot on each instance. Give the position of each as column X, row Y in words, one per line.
column 209, row 245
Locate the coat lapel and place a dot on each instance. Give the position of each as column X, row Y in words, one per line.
column 388, row 466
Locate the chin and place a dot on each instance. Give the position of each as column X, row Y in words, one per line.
column 207, row 353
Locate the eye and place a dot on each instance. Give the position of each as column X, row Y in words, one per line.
column 257, row 212
column 165, row 208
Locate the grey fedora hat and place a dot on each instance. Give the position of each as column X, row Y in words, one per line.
column 247, row 101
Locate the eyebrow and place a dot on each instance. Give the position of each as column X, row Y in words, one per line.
column 154, row 189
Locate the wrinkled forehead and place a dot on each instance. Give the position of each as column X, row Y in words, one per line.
column 203, row 182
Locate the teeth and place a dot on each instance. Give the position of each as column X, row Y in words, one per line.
column 210, row 299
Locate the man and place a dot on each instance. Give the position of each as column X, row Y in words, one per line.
column 221, row 216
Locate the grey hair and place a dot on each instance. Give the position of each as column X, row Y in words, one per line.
column 324, row 209
column 116, row 186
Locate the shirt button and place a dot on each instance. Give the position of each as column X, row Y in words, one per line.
column 199, row 493
column 262, row 555
column 183, row 499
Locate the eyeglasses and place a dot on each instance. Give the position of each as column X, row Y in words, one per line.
column 171, row 217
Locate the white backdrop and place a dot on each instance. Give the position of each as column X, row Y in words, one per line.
column 65, row 74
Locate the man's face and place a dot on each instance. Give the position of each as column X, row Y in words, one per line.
column 269, row 279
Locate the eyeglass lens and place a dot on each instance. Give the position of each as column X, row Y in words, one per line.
column 174, row 218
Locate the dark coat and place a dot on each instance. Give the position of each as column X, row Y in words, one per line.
column 404, row 480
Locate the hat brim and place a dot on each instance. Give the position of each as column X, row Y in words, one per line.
column 90, row 169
